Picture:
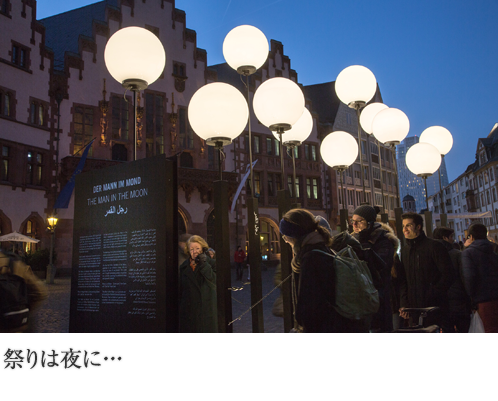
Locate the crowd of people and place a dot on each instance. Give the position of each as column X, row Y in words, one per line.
column 424, row 273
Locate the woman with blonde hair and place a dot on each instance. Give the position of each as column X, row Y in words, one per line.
column 314, row 275
column 197, row 289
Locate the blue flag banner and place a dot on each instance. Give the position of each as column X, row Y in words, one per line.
column 241, row 185
column 64, row 197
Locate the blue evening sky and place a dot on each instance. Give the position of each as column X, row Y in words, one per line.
column 434, row 59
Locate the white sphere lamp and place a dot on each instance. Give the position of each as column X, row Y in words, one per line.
column 299, row 132
column 368, row 114
column 218, row 113
column 339, row 150
column 278, row 103
column 390, row 126
column 423, row 159
column 135, row 57
column 355, row 86
column 438, row 136
column 245, row 49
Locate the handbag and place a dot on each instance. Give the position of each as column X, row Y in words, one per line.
column 476, row 325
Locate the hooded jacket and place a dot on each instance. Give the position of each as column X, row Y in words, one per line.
column 426, row 274
column 480, row 271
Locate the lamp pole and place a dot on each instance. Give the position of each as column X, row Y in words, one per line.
column 52, row 222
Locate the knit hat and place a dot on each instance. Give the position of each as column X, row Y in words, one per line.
column 324, row 223
column 291, row 230
column 367, row 212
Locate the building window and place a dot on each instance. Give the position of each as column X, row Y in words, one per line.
column 270, row 241
column 297, row 185
column 186, row 134
column 257, row 183
column 83, row 128
column 4, row 163
column 120, row 118
column 38, row 113
column 179, row 69
column 312, row 188
column 269, row 146
column 4, row 7
column 20, row 55
column 32, row 230
column 270, row 185
column 34, row 169
column 6, row 99
column 154, row 121
column 296, row 152
column 277, row 148
column 257, row 141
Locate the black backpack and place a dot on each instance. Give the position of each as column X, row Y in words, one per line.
column 14, row 306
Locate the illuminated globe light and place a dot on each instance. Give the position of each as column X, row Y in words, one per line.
column 300, row 131
column 355, row 84
column 339, row 150
column 278, row 103
column 245, row 49
column 390, row 126
column 439, row 137
column 135, row 57
column 368, row 114
column 218, row 113
column 423, row 159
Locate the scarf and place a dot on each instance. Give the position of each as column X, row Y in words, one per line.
column 310, row 239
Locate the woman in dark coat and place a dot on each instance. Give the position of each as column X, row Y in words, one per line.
column 379, row 238
column 315, row 277
column 197, row 291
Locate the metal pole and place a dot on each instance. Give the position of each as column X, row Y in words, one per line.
column 294, row 172
column 281, row 159
column 343, row 213
column 360, row 143
column 250, row 142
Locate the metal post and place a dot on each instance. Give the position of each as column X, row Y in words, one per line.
column 255, row 264
column 360, row 143
column 222, row 244
column 284, row 206
column 343, row 213
column 50, row 268
column 250, row 141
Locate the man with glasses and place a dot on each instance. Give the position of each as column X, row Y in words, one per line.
column 426, row 271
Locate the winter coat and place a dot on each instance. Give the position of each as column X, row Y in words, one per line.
column 381, row 240
column 459, row 300
column 480, row 271
column 426, row 274
column 316, row 294
column 197, row 291
column 239, row 256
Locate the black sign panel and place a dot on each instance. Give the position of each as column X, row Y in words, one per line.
column 125, row 249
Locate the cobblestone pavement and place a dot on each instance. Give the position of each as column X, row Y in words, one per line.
column 53, row 315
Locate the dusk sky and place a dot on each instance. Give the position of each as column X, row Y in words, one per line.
column 435, row 60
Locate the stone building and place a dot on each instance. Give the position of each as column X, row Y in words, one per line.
column 472, row 196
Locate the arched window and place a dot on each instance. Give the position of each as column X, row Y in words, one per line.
column 32, row 229
column 269, row 240
column 182, row 222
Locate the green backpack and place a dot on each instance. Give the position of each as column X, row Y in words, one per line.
column 355, row 294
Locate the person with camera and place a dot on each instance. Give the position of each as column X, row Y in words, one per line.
column 197, row 289
column 379, row 244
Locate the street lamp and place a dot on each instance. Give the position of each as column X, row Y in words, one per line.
column 442, row 139
column 278, row 104
column 390, row 126
column 299, row 132
column 218, row 113
column 52, row 223
column 356, row 86
column 245, row 49
column 339, row 150
column 135, row 57
column 366, row 120
column 423, row 159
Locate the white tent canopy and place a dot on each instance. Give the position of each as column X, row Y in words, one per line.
column 16, row 237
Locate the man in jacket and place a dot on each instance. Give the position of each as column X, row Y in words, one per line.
column 426, row 271
column 239, row 258
column 459, row 301
column 480, row 276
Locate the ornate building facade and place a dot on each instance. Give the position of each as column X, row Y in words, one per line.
column 56, row 95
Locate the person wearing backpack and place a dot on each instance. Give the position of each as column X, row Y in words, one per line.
column 30, row 292
column 316, row 283
column 379, row 243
